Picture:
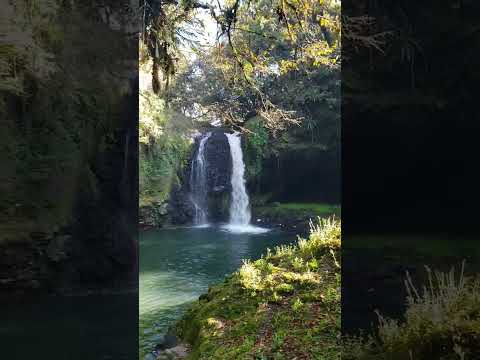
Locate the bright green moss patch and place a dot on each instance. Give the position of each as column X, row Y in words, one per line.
column 285, row 305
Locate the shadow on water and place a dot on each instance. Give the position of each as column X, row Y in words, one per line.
column 178, row 265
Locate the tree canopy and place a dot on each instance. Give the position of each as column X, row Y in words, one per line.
column 262, row 48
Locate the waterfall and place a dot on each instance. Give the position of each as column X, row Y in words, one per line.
column 239, row 205
column 198, row 183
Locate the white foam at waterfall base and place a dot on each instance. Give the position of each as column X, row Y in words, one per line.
column 244, row 229
column 201, row 226
column 239, row 206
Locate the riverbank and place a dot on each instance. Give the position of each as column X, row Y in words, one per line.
column 284, row 305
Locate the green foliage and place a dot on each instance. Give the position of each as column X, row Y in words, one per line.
column 23, row 52
column 440, row 323
column 255, row 146
column 273, row 308
column 297, row 305
column 164, row 148
column 281, row 40
column 280, row 61
column 275, row 65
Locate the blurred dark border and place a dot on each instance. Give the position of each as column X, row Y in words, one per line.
column 69, row 180
column 409, row 148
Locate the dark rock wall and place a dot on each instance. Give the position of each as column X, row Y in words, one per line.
column 218, row 175
column 219, row 168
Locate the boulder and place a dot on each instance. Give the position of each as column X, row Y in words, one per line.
column 165, row 342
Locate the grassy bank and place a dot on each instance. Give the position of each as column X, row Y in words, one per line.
column 285, row 305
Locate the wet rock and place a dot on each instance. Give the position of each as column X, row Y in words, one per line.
column 181, row 209
column 165, row 342
column 178, row 352
column 149, row 357
column 154, row 215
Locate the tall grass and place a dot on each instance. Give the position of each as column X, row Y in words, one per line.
column 297, row 263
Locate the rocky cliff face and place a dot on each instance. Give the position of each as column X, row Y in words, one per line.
column 219, row 167
column 218, row 175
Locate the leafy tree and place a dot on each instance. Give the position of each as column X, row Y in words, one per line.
column 257, row 41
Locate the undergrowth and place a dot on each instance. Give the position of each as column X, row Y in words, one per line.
column 285, row 305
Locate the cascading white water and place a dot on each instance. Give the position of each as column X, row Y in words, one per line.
column 239, row 205
column 198, row 183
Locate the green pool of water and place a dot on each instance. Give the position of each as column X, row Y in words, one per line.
column 178, row 265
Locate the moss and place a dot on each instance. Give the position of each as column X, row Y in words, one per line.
column 278, row 307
